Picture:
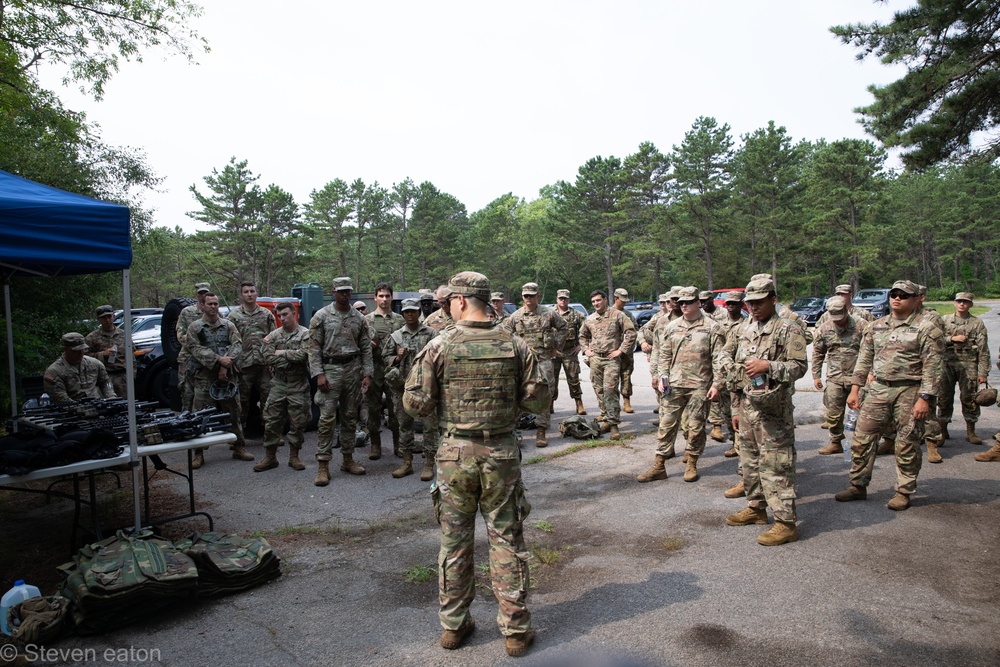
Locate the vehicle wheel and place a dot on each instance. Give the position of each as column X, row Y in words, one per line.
column 168, row 326
column 158, row 388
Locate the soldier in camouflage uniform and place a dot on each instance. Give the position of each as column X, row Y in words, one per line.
column 74, row 375
column 188, row 315
column 215, row 345
column 628, row 359
column 381, row 324
column 340, row 358
column 286, row 352
column 497, row 301
column 838, row 342
column 399, row 349
column 689, row 373
column 567, row 357
column 787, row 313
column 476, row 376
column 544, row 332
column 845, row 292
column 107, row 345
column 721, row 411
column 605, row 336
column 254, row 323
column 645, row 339
column 934, row 431
column 441, row 317
column 708, row 307
column 967, row 362
column 763, row 360
column 903, row 353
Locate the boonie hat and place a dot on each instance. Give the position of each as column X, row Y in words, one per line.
column 342, row 283
column 687, row 294
column 759, row 288
column 843, row 289
column 409, row 304
column 470, row 283
column 906, row 286
column 529, row 288
column 964, row 296
column 562, row 294
column 74, row 341
column 734, row 297
column 706, row 295
column 622, row 293
column 202, row 287
column 105, row 310
column 836, row 306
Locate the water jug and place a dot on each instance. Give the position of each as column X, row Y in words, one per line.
column 16, row 595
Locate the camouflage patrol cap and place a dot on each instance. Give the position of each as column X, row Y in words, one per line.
column 964, row 296
column 843, row 289
column 705, row 294
column 734, row 297
column 836, row 306
column 687, row 294
column 562, row 294
column 426, row 295
column 105, row 310
column 202, row 287
column 921, row 289
column 758, row 288
column 470, row 283
column 74, row 341
column 622, row 293
column 529, row 288
column 409, row 304
column 906, row 286
column 496, row 296
column 664, row 297
column 342, row 283
column 674, row 290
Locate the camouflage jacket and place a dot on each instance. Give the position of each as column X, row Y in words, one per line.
column 64, row 382
column 253, row 327
column 293, row 365
column 381, row 327
column 778, row 341
column 543, row 330
column 412, row 341
column 605, row 333
column 909, row 349
column 574, row 320
column 645, row 333
column 790, row 315
column 188, row 315
column 99, row 340
column 690, row 353
column 438, row 320
column 860, row 313
column 479, row 366
column 976, row 346
column 729, row 324
column 653, row 336
column 839, row 348
column 206, row 342
column 339, row 335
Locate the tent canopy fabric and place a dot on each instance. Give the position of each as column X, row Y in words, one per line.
column 47, row 232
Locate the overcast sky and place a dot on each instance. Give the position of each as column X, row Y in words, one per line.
column 479, row 98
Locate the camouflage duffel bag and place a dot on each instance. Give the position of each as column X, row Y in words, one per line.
column 580, row 428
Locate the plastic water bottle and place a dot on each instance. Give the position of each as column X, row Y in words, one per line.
column 850, row 424
column 44, row 400
column 14, row 596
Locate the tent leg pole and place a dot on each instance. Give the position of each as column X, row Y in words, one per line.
column 10, row 346
column 133, row 444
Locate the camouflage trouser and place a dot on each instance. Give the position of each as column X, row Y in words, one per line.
column 373, row 402
column 254, row 376
column 720, row 411
column 185, row 385
column 835, row 401
column 118, row 382
column 571, row 364
column 407, row 438
column 767, row 457
column 964, row 373
column 627, row 366
column 885, row 405
column 201, row 399
column 683, row 409
column 287, row 400
column 545, row 365
column 604, row 374
column 344, row 395
column 485, row 475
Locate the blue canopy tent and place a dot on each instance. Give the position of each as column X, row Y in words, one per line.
column 47, row 232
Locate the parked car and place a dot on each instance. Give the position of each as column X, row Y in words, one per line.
column 875, row 301
column 809, row 308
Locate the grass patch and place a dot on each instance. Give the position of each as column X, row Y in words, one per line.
column 580, row 446
column 546, row 555
column 535, row 459
column 671, row 543
column 418, row 574
column 544, row 526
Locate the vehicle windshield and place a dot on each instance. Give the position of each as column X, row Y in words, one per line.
column 869, row 296
column 807, row 302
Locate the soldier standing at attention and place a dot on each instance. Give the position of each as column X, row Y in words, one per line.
column 765, row 358
column 837, row 341
column 107, row 345
column 185, row 375
column 441, row 317
column 903, row 353
column 497, row 301
column 399, row 349
column 340, row 358
column 544, row 332
column 568, row 358
column 215, row 345
column 74, row 375
column 479, row 463
column 628, row 359
column 967, row 362
column 604, row 336
column 381, row 323
column 286, row 353
column 689, row 373
column 254, row 323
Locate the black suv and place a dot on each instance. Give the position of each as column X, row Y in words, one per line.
column 809, row 308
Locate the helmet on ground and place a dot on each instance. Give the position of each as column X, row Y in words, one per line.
column 223, row 390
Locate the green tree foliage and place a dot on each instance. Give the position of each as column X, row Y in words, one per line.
column 436, row 225
column 950, row 94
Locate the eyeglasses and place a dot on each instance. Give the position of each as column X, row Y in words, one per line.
column 900, row 295
column 689, row 303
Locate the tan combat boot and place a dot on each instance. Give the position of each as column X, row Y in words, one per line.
column 970, row 433
column 323, row 473
column 350, row 466
column 294, row 462
column 684, row 459
column 851, row 493
column 832, row 448
column 540, row 440
column 731, row 453
column 826, row 424
column 241, row 454
column 933, row 455
column 627, row 405
column 779, row 533
column 717, row 434
column 991, row 455
column 198, row 460
column 580, row 410
column 656, row 471
column 427, row 472
column 737, row 491
column 269, row 461
column 887, row 446
column 899, row 502
column 518, row 644
column 406, row 468
column 748, row 516
column 615, row 434
column 691, row 469
column 376, row 451
column 452, row 639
